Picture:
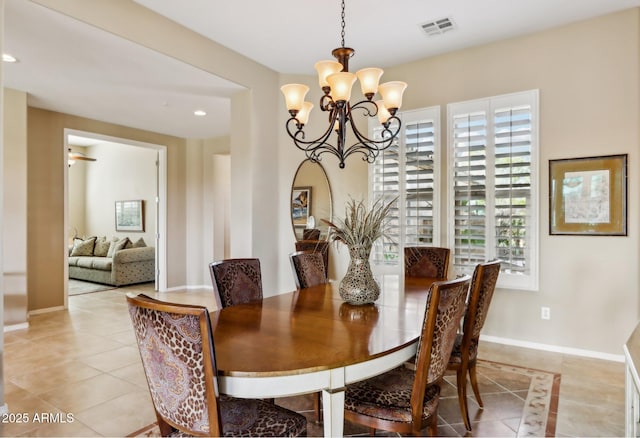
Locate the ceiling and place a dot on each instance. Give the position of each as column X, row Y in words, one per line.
column 71, row 67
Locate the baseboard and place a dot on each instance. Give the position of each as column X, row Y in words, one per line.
column 13, row 327
column 554, row 348
column 47, row 310
column 181, row 288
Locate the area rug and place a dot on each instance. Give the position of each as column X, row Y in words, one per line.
column 538, row 416
column 77, row 287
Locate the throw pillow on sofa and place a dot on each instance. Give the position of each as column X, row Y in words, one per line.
column 83, row 247
column 117, row 245
column 102, row 247
column 140, row 243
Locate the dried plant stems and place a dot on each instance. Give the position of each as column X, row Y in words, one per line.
column 361, row 226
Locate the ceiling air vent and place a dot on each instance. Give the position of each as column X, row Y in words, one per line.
column 438, row 27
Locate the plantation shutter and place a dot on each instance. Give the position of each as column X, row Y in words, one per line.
column 419, row 183
column 493, row 202
column 406, row 170
column 469, row 189
column 513, row 186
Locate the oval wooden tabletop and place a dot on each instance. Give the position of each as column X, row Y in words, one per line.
column 313, row 329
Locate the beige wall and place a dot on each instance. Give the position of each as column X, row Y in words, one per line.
column 46, row 234
column 587, row 74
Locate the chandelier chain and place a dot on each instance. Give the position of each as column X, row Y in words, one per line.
column 342, row 23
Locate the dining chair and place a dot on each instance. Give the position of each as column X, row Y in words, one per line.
column 320, row 246
column 465, row 349
column 308, row 269
column 426, row 261
column 236, row 281
column 311, row 234
column 405, row 399
column 178, row 357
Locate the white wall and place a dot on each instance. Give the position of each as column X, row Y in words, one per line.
column 14, row 206
column 120, row 173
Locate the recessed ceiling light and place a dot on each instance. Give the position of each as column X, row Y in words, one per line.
column 200, row 113
column 9, row 58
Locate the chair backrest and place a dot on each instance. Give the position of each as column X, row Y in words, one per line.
column 236, row 281
column 311, row 234
column 321, row 246
column 178, row 358
column 445, row 306
column 483, row 284
column 426, row 261
column 308, row 268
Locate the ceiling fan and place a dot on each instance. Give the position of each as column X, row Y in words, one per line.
column 77, row 156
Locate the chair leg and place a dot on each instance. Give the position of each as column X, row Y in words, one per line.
column 461, row 377
column 433, row 425
column 372, row 431
column 474, row 383
column 317, row 406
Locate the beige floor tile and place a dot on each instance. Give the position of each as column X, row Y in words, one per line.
column 88, row 393
column 133, row 373
column 113, row 359
column 63, row 374
column 127, row 413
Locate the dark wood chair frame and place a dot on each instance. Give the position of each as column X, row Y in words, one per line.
column 471, row 333
column 421, row 370
column 166, row 426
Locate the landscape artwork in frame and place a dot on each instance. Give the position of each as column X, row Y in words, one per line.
column 129, row 216
column 588, row 196
column 300, row 206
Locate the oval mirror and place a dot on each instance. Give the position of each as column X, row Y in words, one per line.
column 310, row 201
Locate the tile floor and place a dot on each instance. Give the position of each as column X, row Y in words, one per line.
column 82, row 368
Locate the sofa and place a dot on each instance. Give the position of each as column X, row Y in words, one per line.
column 116, row 262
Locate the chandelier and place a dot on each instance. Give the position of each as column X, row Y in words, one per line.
column 336, row 82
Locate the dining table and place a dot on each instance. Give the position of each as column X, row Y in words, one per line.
column 310, row 340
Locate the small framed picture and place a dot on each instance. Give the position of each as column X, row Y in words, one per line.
column 300, row 206
column 588, row 196
column 130, row 215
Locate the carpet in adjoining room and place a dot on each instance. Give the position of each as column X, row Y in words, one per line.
column 78, row 287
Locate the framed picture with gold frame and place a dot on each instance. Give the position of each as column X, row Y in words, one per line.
column 588, row 196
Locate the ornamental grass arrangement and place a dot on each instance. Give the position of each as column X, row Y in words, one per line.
column 361, row 226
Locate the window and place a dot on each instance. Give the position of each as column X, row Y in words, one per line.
column 493, row 205
column 408, row 170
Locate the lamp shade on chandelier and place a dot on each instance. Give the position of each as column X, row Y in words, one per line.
column 336, row 82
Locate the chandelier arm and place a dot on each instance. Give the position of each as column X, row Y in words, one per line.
column 363, row 105
column 314, row 148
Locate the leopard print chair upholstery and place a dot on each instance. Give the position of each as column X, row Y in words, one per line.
column 236, row 281
column 320, row 246
column 405, row 399
column 426, row 261
column 465, row 350
column 308, row 269
column 178, row 357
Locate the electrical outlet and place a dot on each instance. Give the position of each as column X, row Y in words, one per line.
column 545, row 313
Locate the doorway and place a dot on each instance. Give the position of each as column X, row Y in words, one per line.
column 124, row 170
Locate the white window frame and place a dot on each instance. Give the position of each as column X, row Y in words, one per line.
column 489, row 107
column 407, row 118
